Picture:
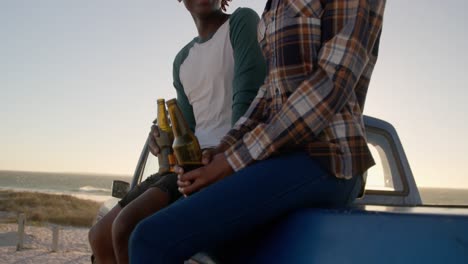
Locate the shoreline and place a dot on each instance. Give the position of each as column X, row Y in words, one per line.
column 83, row 196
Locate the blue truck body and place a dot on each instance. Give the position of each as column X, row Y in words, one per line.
column 389, row 224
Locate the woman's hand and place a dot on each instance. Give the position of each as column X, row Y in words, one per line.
column 195, row 180
column 207, row 156
column 153, row 146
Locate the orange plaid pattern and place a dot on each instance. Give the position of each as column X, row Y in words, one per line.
column 320, row 55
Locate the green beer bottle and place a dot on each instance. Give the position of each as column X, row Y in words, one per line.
column 186, row 146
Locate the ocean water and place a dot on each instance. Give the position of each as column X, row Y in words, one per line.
column 98, row 187
column 441, row 196
column 87, row 186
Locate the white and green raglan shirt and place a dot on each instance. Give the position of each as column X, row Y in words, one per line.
column 216, row 79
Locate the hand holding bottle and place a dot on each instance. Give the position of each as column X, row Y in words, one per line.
column 195, row 180
column 161, row 138
column 152, row 143
column 208, row 155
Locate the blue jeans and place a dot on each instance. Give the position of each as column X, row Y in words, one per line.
column 238, row 205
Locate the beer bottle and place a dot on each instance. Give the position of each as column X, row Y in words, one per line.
column 166, row 157
column 186, row 147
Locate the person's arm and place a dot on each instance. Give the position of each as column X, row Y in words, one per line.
column 249, row 75
column 249, row 64
column 182, row 99
column 252, row 117
column 349, row 32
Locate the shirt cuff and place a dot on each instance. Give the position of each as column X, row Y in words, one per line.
column 228, row 140
column 238, row 156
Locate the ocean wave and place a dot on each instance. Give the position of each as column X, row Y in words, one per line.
column 97, row 198
column 93, row 189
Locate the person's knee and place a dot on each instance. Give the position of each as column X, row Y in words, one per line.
column 153, row 238
column 92, row 235
column 136, row 242
column 121, row 227
column 96, row 235
column 100, row 232
column 139, row 237
column 146, row 247
column 135, row 236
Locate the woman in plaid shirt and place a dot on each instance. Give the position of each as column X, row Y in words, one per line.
column 301, row 143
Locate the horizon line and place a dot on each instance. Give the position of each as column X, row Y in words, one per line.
column 70, row 172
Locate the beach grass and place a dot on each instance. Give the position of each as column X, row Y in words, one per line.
column 43, row 208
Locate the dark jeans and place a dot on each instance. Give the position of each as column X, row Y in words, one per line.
column 237, row 205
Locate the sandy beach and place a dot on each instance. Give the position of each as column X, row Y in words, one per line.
column 73, row 245
column 44, row 212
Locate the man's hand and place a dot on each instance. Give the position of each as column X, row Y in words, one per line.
column 153, row 134
column 195, row 180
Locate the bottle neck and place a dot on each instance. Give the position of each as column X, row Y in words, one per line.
column 179, row 125
column 163, row 121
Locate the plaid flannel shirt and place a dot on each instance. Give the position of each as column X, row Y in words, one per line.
column 320, row 55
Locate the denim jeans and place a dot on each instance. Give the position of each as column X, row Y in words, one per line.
column 236, row 206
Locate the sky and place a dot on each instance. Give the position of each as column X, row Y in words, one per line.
column 79, row 82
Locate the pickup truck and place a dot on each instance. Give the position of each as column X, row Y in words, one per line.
column 389, row 224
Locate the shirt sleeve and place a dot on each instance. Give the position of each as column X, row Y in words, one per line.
column 253, row 116
column 249, row 64
column 182, row 100
column 349, row 32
